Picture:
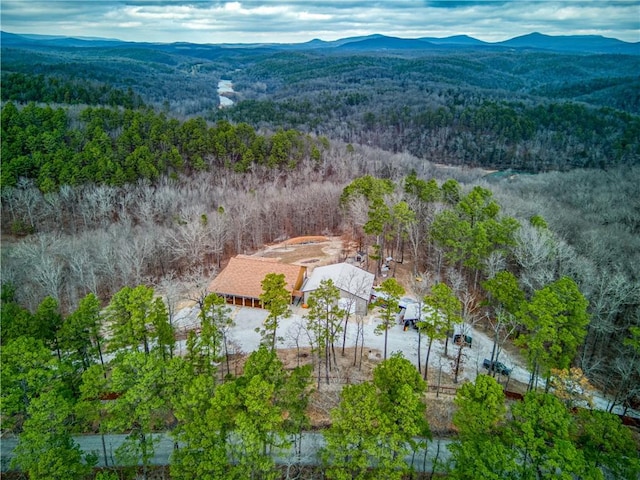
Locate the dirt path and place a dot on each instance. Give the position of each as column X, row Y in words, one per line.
column 306, row 251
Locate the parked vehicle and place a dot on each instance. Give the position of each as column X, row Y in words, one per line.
column 460, row 339
column 497, row 367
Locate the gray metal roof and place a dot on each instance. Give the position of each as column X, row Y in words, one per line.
column 345, row 276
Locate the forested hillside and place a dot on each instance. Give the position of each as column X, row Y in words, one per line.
column 116, row 147
column 497, row 107
column 125, row 190
column 507, row 110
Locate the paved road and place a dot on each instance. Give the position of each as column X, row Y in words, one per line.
column 105, row 447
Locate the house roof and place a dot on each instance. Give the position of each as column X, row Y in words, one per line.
column 345, row 276
column 244, row 274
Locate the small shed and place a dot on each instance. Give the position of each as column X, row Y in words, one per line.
column 240, row 283
column 354, row 284
column 412, row 312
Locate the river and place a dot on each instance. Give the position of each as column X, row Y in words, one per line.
column 225, row 87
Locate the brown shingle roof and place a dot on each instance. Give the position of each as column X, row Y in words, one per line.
column 243, row 276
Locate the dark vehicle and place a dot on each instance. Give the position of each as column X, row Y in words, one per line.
column 497, row 367
column 465, row 340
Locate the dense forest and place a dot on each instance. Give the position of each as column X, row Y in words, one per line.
column 113, row 147
column 527, row 109
column 124, row 193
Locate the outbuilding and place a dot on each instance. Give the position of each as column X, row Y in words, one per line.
column 354, row 284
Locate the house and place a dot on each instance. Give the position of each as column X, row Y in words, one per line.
column 240, row 283
column 354, row 284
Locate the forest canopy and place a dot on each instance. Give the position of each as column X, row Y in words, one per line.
column 114, row 147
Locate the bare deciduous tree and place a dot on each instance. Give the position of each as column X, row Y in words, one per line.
column 43, row 267
column 535, row 252
column 189, row 240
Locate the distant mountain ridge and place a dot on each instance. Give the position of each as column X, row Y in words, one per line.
column 375, row 42
column 13, row 39
column 455, row 40
column 383, row 42
column 573, row 43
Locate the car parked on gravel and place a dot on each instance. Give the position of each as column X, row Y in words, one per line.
column 497, row 367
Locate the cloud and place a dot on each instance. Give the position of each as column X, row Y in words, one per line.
column 465, row 4
column 209, row 21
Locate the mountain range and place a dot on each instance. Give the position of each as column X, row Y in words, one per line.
column 376, row 42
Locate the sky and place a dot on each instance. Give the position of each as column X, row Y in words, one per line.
column 293, row 21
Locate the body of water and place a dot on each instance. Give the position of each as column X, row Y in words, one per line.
column 225, row 87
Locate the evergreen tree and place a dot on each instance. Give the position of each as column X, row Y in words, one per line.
column 27, row 369
column 138, row 381
column 324, row 318
column 81, row 334
column 607, row 445
column 233, row 433
column 391, row 292
column 45, row 447
column 215, row 323
column 139, row 320
column 481, row 449
column 541, row 437
column 443, row 302
column 276, row 299
column 556, row 319
column 377, row 424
